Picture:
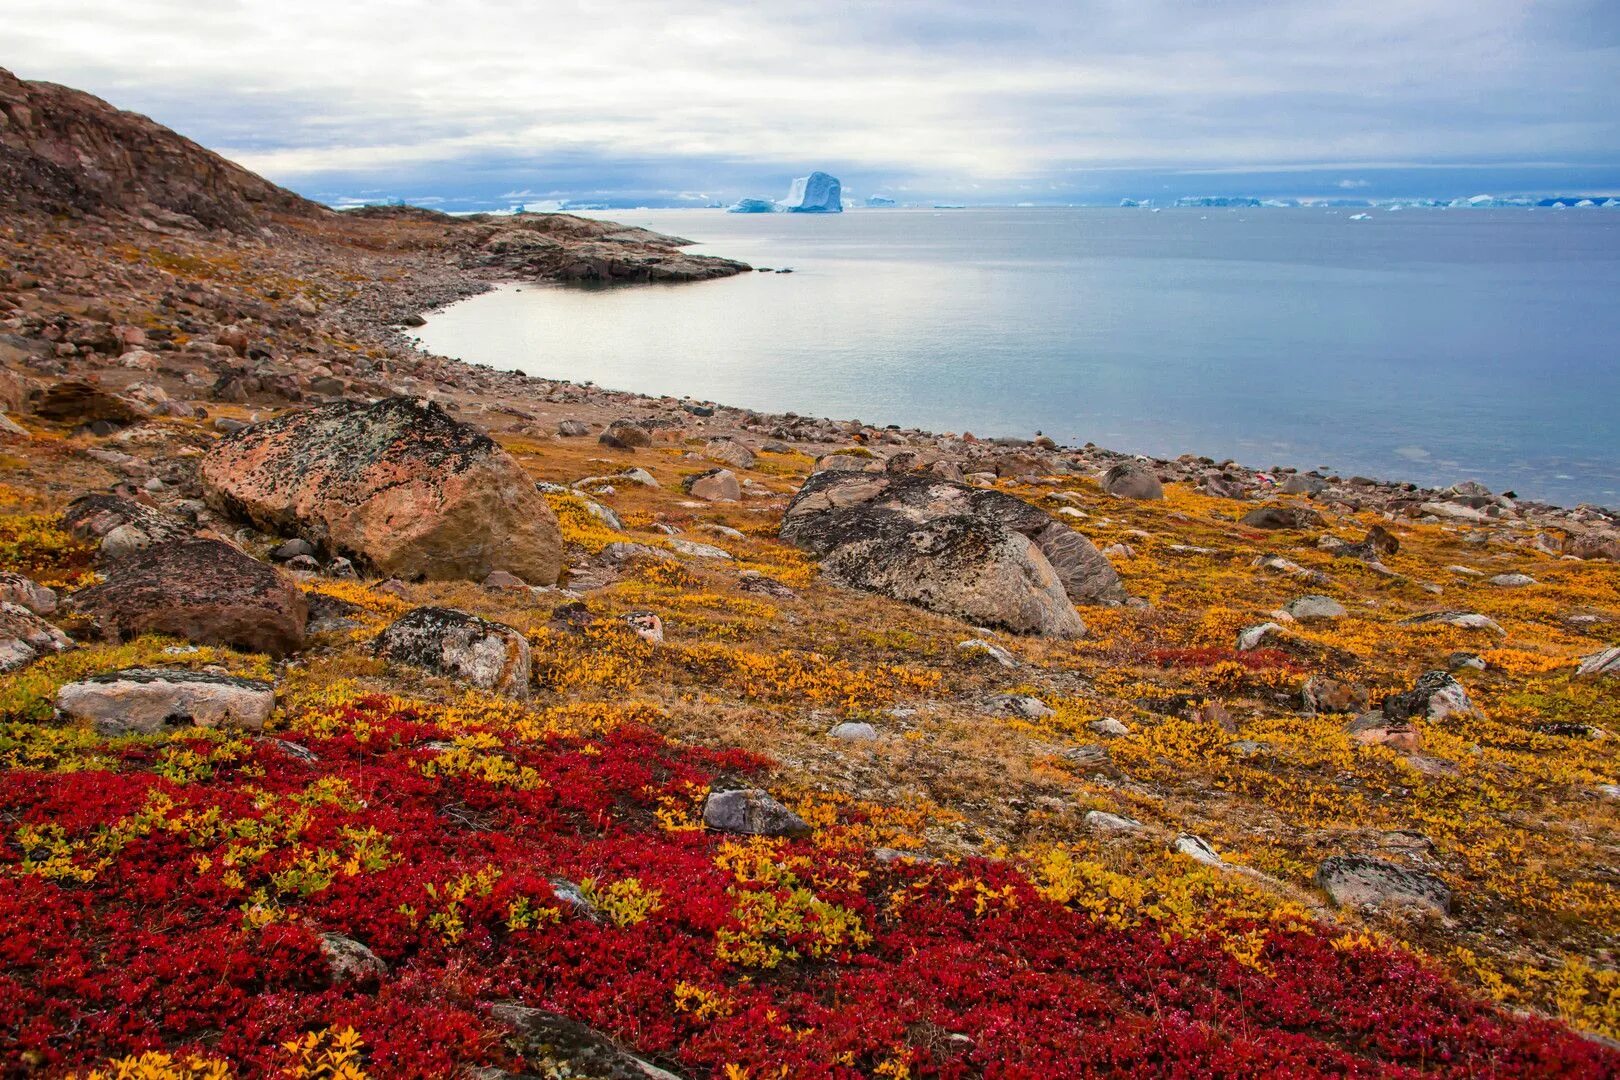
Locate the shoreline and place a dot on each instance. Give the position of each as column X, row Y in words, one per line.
column 1226, row 477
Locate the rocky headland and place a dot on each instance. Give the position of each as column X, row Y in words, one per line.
column 366, row 710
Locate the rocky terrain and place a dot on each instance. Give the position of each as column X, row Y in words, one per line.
column 369, row 713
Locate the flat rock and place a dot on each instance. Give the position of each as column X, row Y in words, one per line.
column 1354, row 881
column 399, row 487
column 1101, row 821
column 716, row 485
column 205, row 591
column 483, row 654
column 1606, row 663
column 1306, row 608
column 1273, row 518
column 1465, row 620
column 149, row 700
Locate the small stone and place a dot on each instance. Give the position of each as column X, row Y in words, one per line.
column 978, row 647
column 348, row 961
column 292, row 549
column 1306, row 608
column 1606, row 663
column 716, row 485
column 1196, row 848
column 502, row 580
column 1109, row 728
column 1020, row 705
column 1512, row 581
column 697, row 550
column 25, row 592
column 854, row 731
column 25, row 637
column 573, row 429
column 646, row 626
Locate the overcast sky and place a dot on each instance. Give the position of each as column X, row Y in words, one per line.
column 482, row 103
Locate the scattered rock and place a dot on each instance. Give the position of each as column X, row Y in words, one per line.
column 1376, row 729
column 204, row 591
column 1196, row 848
column 854, row 731
column 97, row 517
column 573, row 429
column 76, row 402
column 646, row 626
column 1466, row 620
column 1019, row 705
column 1355, row 881
column 729, row 452
column 1605, row 663
column 587, row 1052
column 625, row 435
column 1321, row 694
column 1435, row 696
column 1512, row 581
column 1109, row 728
column 399, row 486
column 978, row 647
column 752, row 812
column 484, row 654
column 149, row 700
column 1099, row 821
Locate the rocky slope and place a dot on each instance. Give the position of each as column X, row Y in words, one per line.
column 762, row 784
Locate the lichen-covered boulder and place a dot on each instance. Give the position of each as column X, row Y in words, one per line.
column 1606, row 663
column 978, row 555
column 399, row 487
column 483, row 654
column 148, row 700
column 26, row 592
column 1435, row 696
column 1271, row 518
column 121, row 525
column 205, row 591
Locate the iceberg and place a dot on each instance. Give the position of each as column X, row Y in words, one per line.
column 818, row 193
column 752, row 206
column 879, row 200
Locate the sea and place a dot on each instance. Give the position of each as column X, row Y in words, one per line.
column 1421, row 344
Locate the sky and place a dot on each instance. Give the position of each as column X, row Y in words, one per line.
column 474, row 104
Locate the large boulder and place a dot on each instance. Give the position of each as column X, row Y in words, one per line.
column 201, row 590
column 148, row 700
column 484, row 654
column 979, row 555
column 399, row 487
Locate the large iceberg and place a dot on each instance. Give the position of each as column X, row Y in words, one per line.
column 818, row 193
column 752, row 206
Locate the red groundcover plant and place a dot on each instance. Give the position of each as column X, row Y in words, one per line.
column 174, row 899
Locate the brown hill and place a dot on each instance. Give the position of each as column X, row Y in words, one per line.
column 66, row 151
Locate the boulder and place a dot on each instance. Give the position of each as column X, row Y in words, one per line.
column 1435, row 696
column 1272, row 518
column 149, row 700
column 1354, row 881
column 716, row 485
column 205, row 591
column 348, row 961
column 1307, row 608
column 573, row 429
column 729, row 452
column 979, row 555
column 121, row 525
column 76, row 402
column 1376, row 729
column 1132, row 480
column 751, row 812
column 550, row 1036
column 1463, row 620
column 16, row 589
column 1594, row 545
column 25, row 637
column 625, row 435
column 484, row 654
column 400, row 488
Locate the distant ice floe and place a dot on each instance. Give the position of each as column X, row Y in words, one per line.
column 876, row 201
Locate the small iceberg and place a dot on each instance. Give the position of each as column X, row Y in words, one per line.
column 879, row 201
column 1360, row 217
column 752, row 206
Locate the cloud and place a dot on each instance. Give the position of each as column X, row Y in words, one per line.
column 726, row 95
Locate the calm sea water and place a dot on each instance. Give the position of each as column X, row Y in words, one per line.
column 1424, row 345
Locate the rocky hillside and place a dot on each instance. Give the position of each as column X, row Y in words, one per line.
column 364, row 713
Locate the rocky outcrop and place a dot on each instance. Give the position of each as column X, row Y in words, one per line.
column 205, row 591
column 65, row 151
column 483, row 654
column 561, row 247
column 979, row 555
column 149, row 700
column 399, row 487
